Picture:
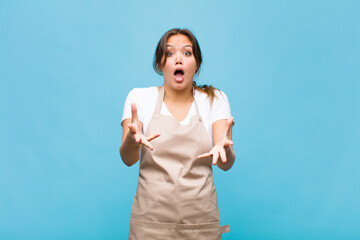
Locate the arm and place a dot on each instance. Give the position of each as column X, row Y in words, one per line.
column 133, row 138
column 222, row 131
column 222, row 152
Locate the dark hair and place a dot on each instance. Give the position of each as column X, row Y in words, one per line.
column 160, row 57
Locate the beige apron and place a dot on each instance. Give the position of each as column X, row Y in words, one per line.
column 176, row 196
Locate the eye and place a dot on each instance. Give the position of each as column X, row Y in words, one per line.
column 187, row 53
column 169, row 54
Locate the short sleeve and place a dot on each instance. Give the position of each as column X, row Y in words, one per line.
column 220, row 107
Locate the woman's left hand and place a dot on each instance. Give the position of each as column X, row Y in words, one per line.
column 219, row 148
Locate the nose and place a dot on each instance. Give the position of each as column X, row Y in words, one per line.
column 178, row 59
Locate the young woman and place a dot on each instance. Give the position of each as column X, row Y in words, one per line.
column 177, row 131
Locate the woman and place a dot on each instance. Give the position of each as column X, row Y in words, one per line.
column 177, row 130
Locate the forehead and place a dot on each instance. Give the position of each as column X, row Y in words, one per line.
column 178, row 40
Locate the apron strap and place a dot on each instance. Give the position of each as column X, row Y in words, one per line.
column 225, row 229
column 159, row 100
column 196, row 106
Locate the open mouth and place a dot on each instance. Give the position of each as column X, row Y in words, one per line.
column 179, row 75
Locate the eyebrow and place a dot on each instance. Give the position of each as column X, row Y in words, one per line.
column 174, row 46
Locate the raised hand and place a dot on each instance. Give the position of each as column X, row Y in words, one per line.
column 135, row 128
column 222, row 144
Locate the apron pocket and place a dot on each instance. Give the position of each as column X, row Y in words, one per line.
column 147, row 230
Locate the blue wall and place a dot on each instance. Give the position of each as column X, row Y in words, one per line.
column 291, row 72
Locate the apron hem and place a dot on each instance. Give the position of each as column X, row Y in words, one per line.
column 177, row 225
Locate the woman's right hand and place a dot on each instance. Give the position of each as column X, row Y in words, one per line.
column 135, row 130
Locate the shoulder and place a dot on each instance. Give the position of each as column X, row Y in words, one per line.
column 219, row 93
column 219, row 97
column 144, row 99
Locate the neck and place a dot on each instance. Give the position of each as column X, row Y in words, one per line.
column 178, row 96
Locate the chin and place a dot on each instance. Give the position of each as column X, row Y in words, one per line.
column 181, row 86
column 177, row 85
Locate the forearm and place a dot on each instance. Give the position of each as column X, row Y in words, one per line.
column 230, row 158
column 129, row 151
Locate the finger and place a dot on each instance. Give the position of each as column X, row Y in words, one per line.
column 230, row 121
column 132, row 128
column 223, row 155
column 147, row 144
column 133, row 131
column 137, row 138
column 205, row 155
column 134, row 115
column 215, row 157
column 152, row 137
column 228, row 142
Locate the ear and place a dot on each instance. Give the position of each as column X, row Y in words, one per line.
column 197, row 70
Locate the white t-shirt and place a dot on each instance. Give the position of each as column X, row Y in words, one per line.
column 145, row 101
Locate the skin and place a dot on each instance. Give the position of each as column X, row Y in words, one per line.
column 178, row 99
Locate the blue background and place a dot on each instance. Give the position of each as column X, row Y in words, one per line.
column 290, row 70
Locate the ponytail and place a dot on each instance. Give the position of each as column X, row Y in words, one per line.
column 208, row 89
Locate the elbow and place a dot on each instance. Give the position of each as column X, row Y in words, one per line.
column 128, row 164
column 128, row 160
column 226, row 169
column 227, row 166
column 123, row 158
column 229, row 163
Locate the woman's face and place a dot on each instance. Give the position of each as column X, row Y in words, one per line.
column 180, row 66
